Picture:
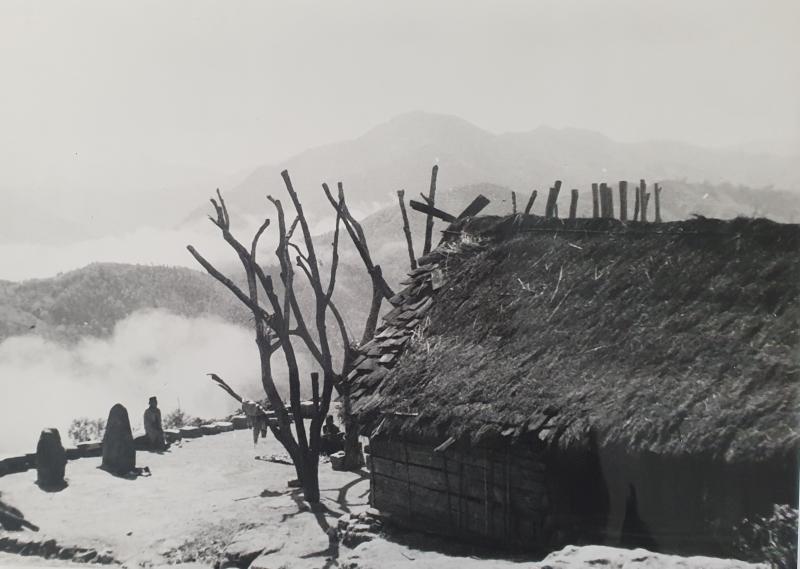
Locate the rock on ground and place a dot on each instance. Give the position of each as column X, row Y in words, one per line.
column 250, row 544
column 593, row 556
column 381, row 554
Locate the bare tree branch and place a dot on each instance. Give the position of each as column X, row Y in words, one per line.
column 358, row 238
column 334, row 251
column 229, row 284
column 256, row 238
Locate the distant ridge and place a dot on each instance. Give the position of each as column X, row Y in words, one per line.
column 399, row 153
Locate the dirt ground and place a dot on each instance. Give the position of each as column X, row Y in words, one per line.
column 200, row 495
column 213, row 491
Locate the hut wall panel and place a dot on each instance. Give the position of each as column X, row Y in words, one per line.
column 484, row 493
column 434, row 510
column 529, row 462
column 529, row 492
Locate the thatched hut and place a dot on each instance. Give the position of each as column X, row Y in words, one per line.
column 543, row 381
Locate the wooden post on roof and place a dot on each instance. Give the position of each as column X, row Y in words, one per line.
column 623, row 200
column 532, row 199
column 315, row 391
column 637, row 203
column 603, row 200
column 475, row 207
column 657, row 190
column 514, row 202
column 595, row 208
column 552, row 198
column 573, row 204
column 411, row 257
column 431, row 202
column 643, row 198
column 603, row 206
column 610, row 202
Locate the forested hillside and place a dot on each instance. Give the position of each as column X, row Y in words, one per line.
column 91, row 300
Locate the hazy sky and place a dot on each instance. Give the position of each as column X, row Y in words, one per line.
column 115, row 95
column 119, row 115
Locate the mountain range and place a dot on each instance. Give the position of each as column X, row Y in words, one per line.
column 399, row 155
column 395, row 155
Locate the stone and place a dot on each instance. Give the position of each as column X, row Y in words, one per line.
column 172, row 435
column 240, row 422
column 246, row 546
column 353, row 539
column 209, row 429
column 307, row 409
column 105, row 559
column 67, row 552
column 191, row 432
column 287, row 561
column 337, row 461
column 224, row 426
column 90, row 448
column 140, row 441
column 343, row 522
column 51, row 459
column 48, row 548
column 72, row 452
column 10, row 464
column 119, row 453
column 86, row 556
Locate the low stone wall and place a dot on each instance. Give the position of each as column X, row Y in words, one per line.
column 20, row 463
column 51, row 549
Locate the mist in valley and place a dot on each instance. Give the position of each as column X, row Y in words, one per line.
column 149, row 353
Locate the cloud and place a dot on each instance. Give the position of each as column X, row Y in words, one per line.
column 21, row 260
column 145, row 245
column 46, row 384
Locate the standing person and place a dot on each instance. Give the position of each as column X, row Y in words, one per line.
column 152, row 426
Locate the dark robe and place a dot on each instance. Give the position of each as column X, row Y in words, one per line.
column 153, row 429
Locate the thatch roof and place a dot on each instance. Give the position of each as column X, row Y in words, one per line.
column 673, row 338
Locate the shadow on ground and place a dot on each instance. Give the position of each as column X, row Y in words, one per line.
column 11, row 519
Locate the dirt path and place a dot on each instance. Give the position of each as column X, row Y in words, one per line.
column 198, row 498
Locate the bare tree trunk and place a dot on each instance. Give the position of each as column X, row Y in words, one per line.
column 353, row 457
column 372, row 317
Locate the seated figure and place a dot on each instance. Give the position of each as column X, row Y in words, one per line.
column 332, row 437
column 152, row 427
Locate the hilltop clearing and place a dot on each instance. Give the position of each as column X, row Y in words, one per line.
column 210, row 493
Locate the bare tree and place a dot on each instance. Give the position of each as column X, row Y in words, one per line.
column 279, row 318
